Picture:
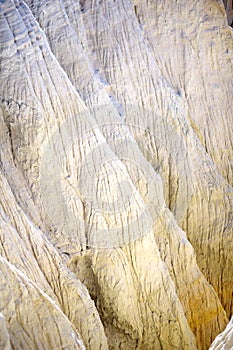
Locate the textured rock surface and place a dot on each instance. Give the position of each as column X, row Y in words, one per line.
column 116, row 174
column 224, row 341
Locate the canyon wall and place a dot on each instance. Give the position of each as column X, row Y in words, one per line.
column 116, row 175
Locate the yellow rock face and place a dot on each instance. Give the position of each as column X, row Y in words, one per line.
column 115, row 175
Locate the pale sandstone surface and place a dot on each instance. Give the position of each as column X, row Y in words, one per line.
column 28, row 312
column 134, row 76
column 134, row 68
column 224, row 341
column 193, row 47
column 182, row 336
column 27, row 248
column 117, row 284
column 4, row 335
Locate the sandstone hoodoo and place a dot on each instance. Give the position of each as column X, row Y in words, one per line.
column 116, row 175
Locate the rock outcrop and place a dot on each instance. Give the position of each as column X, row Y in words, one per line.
column 115, row 175
column 224, row 341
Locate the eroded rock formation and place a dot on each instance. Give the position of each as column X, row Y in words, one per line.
column 116, row 174
column 224, row 341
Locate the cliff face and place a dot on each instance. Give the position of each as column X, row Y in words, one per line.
column 115, row 175
column 224, row 341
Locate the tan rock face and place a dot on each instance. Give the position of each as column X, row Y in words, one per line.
column 115, row 175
